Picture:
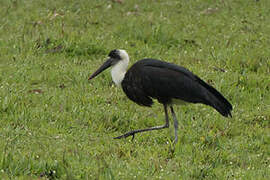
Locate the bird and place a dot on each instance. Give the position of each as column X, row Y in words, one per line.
column 168, row 83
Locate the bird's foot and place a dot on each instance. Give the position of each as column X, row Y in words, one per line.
column 131, row 133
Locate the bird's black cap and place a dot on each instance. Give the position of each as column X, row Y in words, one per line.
column 114, row 54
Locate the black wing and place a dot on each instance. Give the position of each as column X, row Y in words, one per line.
column 163, row 81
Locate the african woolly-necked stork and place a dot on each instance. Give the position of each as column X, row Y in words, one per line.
column 170, row 84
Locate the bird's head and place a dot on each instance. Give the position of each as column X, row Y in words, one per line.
column 116, row 58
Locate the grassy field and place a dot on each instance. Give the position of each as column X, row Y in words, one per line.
column 55, row 124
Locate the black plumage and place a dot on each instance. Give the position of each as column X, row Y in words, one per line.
column 151, row 79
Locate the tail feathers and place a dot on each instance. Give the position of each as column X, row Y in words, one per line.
column 216, row 99
column 223, row 108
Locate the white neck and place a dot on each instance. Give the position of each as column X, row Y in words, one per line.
column 119, row 70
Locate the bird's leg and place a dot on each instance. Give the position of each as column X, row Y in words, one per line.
column 175, row 122
column 166, row 125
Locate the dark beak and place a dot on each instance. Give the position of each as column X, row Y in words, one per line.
column 104, row 66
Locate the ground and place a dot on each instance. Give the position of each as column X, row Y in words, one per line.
column 55, row 124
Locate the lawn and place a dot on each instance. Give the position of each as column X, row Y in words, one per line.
column 55, row 124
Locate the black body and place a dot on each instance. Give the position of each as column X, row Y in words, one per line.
column 150, row 78
column 166, row 82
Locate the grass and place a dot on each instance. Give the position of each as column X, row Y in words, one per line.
column 54, row 124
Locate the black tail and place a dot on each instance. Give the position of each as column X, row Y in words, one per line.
column 216, row 100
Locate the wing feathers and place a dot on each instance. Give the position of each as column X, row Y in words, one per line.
column 151, row 78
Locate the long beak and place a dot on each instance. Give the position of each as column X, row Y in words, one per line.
column 104, row 66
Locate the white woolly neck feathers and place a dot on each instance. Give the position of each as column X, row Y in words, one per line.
column 119, row 69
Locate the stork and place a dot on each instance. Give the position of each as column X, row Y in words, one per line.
column 170, row 84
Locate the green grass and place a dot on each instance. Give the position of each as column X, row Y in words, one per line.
column 55, row 124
